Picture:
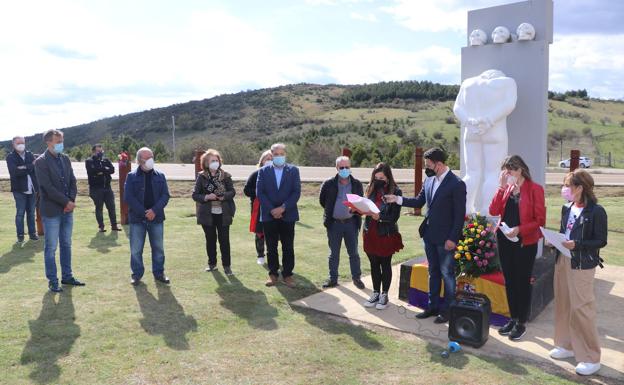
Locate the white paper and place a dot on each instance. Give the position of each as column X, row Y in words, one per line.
column 506, row 229
column 365, row 205
column 556, row 239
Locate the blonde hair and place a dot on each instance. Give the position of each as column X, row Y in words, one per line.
column 210, row 152
column 263, row 157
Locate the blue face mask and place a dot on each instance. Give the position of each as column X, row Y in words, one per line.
column 344, row 173
column 279, row 161
column 58, row 148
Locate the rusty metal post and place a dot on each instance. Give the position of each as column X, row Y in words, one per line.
column 197, row 159
column 346, row 152
column 418, row 171
column 575, row 156
column 38, row 220
column 125, row 166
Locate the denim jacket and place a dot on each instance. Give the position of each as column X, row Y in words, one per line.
column 134, row 192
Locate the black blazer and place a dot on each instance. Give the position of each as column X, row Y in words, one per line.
column 589, row 235
column 250, row 186
column 329, row 193
column 19, row 176
column 389, row 214
column 52, row 194
column 99, row 172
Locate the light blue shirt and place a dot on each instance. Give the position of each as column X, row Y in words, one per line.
column 278, row 175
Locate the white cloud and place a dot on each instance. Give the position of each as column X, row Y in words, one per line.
column 370, row 17
column 430, row 16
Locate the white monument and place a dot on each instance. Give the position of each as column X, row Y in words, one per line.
column 500, row 35
column 478, row 37
column 525, row 31
column 482, row 107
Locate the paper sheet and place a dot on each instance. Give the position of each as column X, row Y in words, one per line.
column 506, row 229
column 362, row 204
column 556, row 239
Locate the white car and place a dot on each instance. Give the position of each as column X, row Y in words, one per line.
column 584, row 162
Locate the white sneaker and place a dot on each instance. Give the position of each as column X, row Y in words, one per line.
column 560, row 353
column 260, row 261
column 587, row 368
column 383, row 301
column 374, row 298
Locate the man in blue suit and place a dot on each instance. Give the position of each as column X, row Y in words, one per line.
column 278, row 189
column 445, row 196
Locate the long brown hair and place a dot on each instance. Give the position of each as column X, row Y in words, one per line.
column 580, row 177
column 387, row 171
column 515, row 162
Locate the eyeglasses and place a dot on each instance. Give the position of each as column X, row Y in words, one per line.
column 344, row 168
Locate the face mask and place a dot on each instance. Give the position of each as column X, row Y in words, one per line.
column 20, row 147
column 429, row 172
column 379, row 184
column 58, row 148
column 279, row 161
column 268, row 163
column 511, row 180
column 149, row 164
column 567, row 194
column 344, row 173
column 214, row 165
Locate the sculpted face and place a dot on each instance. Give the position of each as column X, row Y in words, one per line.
column 525, row 31
column 500, row 35
column 478, row 37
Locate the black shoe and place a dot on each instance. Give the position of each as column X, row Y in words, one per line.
column 135, row 281
column 54, row 287
column 517, row 332
column 212, row 268
column 329, row 283
column 506, row 329
column 20, row 239
column 102, row 230
column 441, row 318
column 116, row 228
column 227, row 270
column 427, row 313
column 72, row 282
column 359, row 284
column 34, row 237
column 163, row 279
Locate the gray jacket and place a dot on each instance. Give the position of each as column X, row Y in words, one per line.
column 51, row 191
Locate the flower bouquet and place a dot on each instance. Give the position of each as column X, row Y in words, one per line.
column 475, row 254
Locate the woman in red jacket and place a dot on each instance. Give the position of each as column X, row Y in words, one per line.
column 520, row 204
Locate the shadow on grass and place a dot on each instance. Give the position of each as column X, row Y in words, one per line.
column 103, row 242
column 250, row 305
column 305, row 287
column 20, row 254
column 52, row 336
column 164, row 315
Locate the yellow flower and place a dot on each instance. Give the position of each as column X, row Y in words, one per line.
column 468, row 256
column 460, row 248
column 457, row 256
column 478, row 236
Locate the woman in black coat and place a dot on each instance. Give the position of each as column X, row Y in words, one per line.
column 255, row 226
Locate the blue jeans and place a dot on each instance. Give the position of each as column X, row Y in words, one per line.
column 137, row 241
column 25, row 204
column 57, row 230
column 335, row 233
column 441, row 268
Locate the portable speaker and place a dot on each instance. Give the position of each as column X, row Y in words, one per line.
column 469, row 319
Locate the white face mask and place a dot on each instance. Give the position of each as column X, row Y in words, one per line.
column 20, row 147
column 511, row 180
column 268, row 163
column 214, row 165
column 149, row 164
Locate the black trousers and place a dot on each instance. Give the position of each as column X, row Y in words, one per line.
column 517, row 263
column 381, row 271
column 222, row 233
column 276, row 231
column 260, row 245
column 101, row 197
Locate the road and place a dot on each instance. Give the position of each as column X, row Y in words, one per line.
column 602, row 177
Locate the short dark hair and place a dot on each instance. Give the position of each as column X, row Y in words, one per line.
column 95, row 146
column 49, row 134
column 436, row 155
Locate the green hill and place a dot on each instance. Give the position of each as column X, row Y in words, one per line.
column 380, row 121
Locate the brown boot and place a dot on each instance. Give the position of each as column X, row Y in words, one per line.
column 272, row 281
column 290, row 282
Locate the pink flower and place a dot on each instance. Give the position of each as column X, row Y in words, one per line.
column 478, row 251
column 476, row 258
column 485, row 262
column 483, row 233
column 480, row 264
column 481, row 243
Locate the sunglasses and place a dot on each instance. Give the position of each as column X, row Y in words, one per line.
column 344, row 168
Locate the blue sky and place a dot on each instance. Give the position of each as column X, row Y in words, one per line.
column 69, row 62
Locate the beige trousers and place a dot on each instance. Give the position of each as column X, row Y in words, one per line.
column 575, row 311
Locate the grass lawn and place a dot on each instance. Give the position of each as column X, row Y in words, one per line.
column 211, row 329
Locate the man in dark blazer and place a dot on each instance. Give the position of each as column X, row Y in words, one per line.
column 57, row 188
column 21, row 165
column 99, row 171
column 278, row 188
column 445, row 196
column 340, row 222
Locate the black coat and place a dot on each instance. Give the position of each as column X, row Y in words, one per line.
column 389, row 214
column 204, row 208
column 99, row 172
column 329, row 193
column 589, row 235
column 19, row 175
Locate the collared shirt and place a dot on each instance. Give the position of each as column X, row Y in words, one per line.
column 30, row 183
column 340, row 210
column 278, row 175
column 437, row 181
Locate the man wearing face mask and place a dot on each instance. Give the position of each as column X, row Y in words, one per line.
column 99, row 171
column 24, row 187
column 147, row 194
column 278, row 189
column 57, row 188
column 340, row 222
column 445, row 196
